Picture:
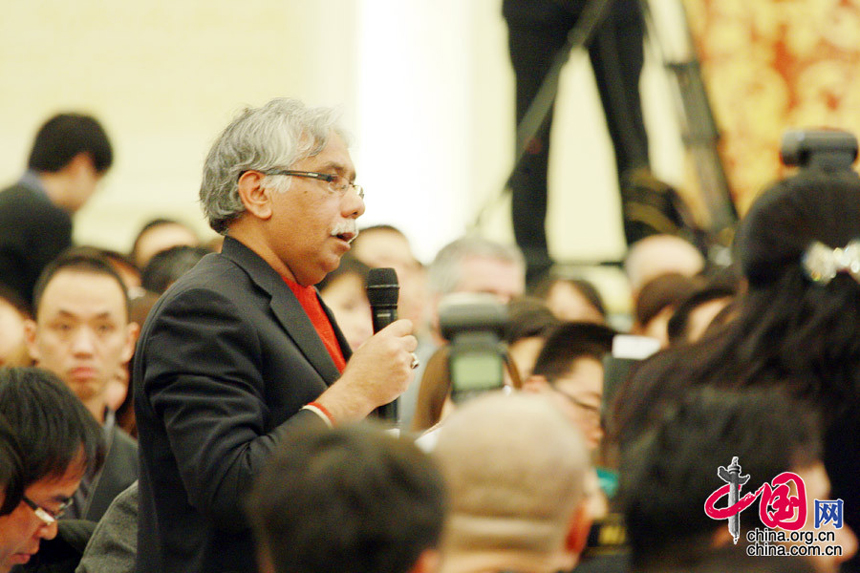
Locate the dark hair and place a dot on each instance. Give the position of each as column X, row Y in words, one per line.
column 349, row 265
column 542, row 288
column 15, row 300
column 82, row 259
column 66, row 135
column 678, row 327
column 151, row 224
column 11, row 469
column 661, row 292
column 528, row 317
column 789, row 331
column 53, row 427
column 350, row 499
column 668, row 473
column 569, row 342
column 168, row 265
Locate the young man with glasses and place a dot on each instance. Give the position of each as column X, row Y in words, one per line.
column 59, row 441
column 241, row 350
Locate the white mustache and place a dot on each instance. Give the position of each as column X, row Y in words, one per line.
column 346, row 228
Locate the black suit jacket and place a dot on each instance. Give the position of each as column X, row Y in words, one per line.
column 225, row 362
column 33, row 231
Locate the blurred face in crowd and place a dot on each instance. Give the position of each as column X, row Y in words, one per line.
column 13, row 347
column 347, row 299
column 579, row 393
column 568, row 303
column 505, row 280
column 82, row 333
column 160, row 238
column 22, row 530
column 380, row 248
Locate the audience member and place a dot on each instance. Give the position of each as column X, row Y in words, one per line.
column 240, row 351
column 658, row 299
column 60, row 443
column 669, row 472
column 70, row 155
column 14, row 313
column 569, row 298
column 796, row 327
column 657, row 255
column 82, row 334
column 515, row 470
column 159, row 235
column 434, row 398
column 344, row 291
column 531, row 320
column 386, row 246
column 569, row 371
column 166, row 266
column 351, row 499
column 470, row 264
column 695, row 314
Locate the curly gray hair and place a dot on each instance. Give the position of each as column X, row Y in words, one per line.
column 274, row 136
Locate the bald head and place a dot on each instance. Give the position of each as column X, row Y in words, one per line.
column 515, row 467
column 656, row 255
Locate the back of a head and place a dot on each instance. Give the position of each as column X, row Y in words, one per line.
column 515, row 469
column 813, row 205
column 11, row 469
column 802, row 320
column 52, row 426
column 166, row 267
column 350, row 499
column 66, row 135
column 667, row 474
column 659, row 254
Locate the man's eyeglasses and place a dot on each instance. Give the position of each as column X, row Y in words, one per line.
column 336, row 183
column 592, row 413
column 47, row 516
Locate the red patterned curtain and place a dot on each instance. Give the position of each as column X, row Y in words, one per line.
column 771, row 65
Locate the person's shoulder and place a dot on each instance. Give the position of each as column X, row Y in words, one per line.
column 123, row 440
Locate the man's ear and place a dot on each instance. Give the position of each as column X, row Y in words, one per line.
column 428, row 562
column 577, row 533
column 132, row 333
column 536, row 384
column 256, row 199
column 30, row 339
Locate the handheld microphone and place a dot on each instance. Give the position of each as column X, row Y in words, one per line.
column 382, row 293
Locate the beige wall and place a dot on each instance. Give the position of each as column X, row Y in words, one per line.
column 425, row 86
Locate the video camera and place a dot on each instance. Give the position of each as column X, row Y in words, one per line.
column 475, row 325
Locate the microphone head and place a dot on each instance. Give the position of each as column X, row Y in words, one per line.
column 382, row 287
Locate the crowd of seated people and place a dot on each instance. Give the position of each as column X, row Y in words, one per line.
column 757, row 361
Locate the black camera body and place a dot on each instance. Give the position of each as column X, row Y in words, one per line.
column 474, row 324
column 830, row 149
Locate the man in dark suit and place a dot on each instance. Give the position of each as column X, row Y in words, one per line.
column 82, row 333
column 69, row 157
column 240, row 350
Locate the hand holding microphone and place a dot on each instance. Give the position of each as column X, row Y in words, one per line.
column 383, row 291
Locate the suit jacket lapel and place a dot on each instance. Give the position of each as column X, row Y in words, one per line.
column 287, row 309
